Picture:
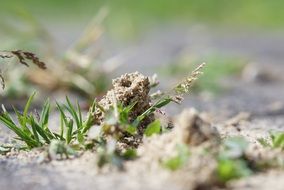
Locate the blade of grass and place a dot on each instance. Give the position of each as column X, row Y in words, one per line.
column 22, row 121
column 23, row 136
column 44, row 116
column 153, row 128
column 34, row 130
column 62, row 113
column 88, row 123
column 61, row 125
column 28, row 104
column 24, row 118
column 40, row 131
column 68, row 124
column 13, row 127
column 69, row 131
column 73, row 112
column 159, row 104
column 79, row 113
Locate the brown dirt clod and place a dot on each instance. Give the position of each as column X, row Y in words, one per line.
column 195, row 130
column 127, row 89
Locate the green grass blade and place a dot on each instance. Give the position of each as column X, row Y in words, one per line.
column 28, row 104
column 73, row 112
column 22, row 121
column 61, row 125
column 69, row 131
column 159, row 104
column 86, row 127
column 90, row 120
column 24, row 117
column 68, row 124
column 34, row 130
column 18, row 131
column 62, row 113
column 40, row 131
column 79, row 113
column 278, row 141
column 44, row 116
column 153, row 128
column 128, row 108
column 7, row 116
column 12, row 126
column 59, row 137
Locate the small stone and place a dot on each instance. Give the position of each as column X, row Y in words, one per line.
column 194, row 130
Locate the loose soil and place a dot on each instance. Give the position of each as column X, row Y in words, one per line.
column 250, row 109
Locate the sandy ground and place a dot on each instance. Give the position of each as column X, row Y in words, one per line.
column 263, row 100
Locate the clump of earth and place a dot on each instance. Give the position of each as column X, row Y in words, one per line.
column 130, row 88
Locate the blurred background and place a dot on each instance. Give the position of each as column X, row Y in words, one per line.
column 86, row 43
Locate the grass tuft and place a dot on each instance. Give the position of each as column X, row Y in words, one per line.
column 35, row 132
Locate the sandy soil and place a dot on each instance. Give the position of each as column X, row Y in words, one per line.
column 264, row 101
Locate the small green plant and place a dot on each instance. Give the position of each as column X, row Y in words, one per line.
column 229, row 169
column 153, row 128
column 67, row 123
column 232, row 163
column 29, row 129
column 116, row 122
column 276, row 140
column 35, row 132
column 108, row 153
column 61, row 149
column 179, row 160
